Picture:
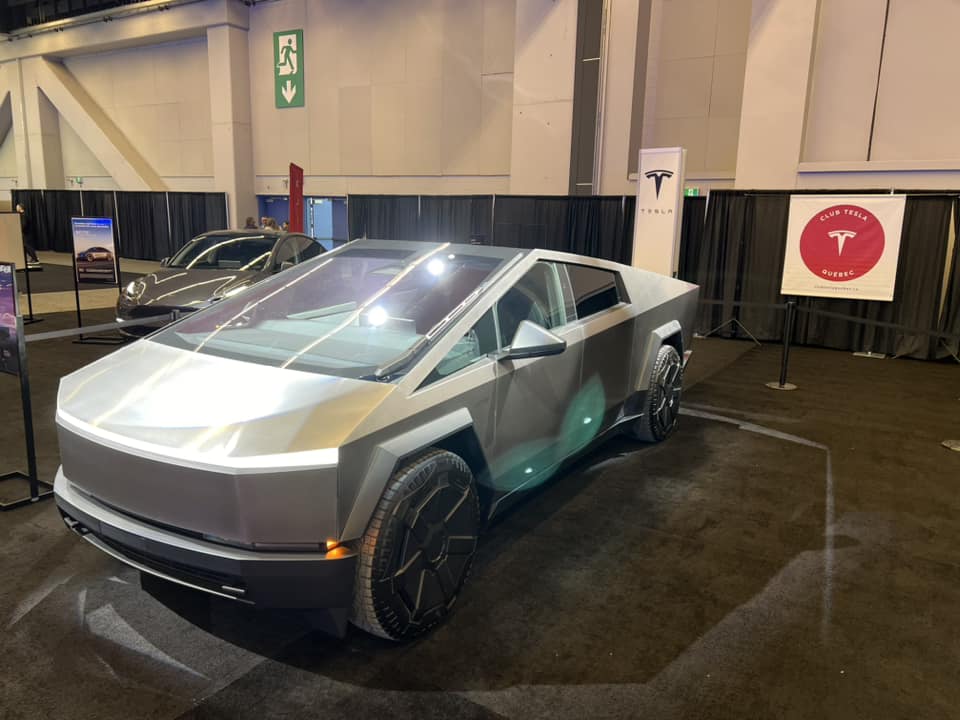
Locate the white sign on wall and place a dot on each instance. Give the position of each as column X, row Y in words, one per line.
column 843, row 246
column 656, row 228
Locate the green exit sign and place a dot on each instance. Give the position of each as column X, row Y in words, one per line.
column 691, row 191
column 288, row 68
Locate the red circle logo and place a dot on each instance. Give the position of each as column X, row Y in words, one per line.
column 842, row 243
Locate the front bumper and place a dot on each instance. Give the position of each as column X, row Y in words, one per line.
column 265, row 579
column 130, row 310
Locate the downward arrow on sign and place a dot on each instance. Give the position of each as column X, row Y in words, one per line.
column 289, row 91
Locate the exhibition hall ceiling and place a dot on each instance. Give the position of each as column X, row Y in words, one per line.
column 19, row 14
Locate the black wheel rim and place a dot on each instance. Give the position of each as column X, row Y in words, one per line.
column 436, row 541
column 669, row 385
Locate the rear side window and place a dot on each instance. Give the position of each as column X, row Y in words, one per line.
column 594, row 289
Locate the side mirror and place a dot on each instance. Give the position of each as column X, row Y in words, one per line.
column 532, row 340
column 165, row 262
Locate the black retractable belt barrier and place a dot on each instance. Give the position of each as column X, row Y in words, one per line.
column 791, row 309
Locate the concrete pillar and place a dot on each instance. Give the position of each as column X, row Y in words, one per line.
column 624, row 62
column 13, row 78
column 779, row 56
column 42, row 130
column 543, row 69
column 229, row 61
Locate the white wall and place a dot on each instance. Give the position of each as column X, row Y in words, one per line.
column 695, row 82
column 412, row 96
column 158, row 97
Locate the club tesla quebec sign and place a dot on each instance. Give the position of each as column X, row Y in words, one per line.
column 288, row 68
column 843, row 247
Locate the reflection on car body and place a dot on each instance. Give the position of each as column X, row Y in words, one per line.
column 405, row 393
column 209, row 268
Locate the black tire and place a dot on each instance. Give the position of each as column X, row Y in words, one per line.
column 416, row 553
column 661, row 413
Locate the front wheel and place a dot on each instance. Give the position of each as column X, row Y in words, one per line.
column 418, row 547
column 661, row 413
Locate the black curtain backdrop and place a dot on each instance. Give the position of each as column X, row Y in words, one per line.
column 98, row 203
column 601, row 227
column 691, row 235
column 59, row 207
column 951, row 311
column 192, row 214
column 32, row 201
column 142, row 222
column 739, row 258
column 384, row 217
column 596, row 226
column 455, row 218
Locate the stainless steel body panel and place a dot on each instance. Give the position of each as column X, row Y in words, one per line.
column 255, row 454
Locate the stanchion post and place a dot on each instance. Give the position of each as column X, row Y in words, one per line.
column 27, row 406
column 788, row 323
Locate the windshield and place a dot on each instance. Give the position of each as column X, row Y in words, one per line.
column 224, row 252
column 347, row 315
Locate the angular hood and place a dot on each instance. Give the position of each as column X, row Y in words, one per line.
column 179, row 287
column 166, row 401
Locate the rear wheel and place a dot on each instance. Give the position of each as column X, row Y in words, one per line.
column 662, row 411
column 416, row 553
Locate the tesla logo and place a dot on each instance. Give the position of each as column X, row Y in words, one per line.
column 841, row 237
column 657, row 176
column 842, row 243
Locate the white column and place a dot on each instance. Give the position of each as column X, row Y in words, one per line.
column 43, row 131
column 229, row 61
column 619, row 63
column 544, row 62
column 782, row 34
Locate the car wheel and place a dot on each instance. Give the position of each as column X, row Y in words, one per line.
column 416, row 553
column 662, row 410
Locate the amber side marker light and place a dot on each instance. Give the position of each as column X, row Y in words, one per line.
column 332, row 545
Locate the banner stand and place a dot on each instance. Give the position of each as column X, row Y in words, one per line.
column 94, row 340
column 36, row 493
column 788, row 323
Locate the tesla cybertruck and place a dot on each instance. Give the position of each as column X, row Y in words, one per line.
column 337, row 436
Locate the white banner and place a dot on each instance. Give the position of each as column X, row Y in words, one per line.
column 656, row 227
column 843, row 246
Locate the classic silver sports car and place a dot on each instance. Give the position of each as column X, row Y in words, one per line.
column 338, row 435
column 209, row 268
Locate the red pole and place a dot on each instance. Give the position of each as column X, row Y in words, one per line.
column 296, row 198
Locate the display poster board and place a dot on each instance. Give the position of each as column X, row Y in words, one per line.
column 9, row 311
column 11, row 238
column 656, row 228
column 95, row 256
column 843, row 246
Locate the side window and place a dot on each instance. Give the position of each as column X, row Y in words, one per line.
column 309, row 248
column 536, row 297
column 295, row 249
column 594, row 289
column 478, row 342
column 286, row 253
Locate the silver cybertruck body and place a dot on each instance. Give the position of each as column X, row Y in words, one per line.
column 337, row 436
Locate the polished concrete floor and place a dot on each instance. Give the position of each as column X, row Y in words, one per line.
column 785, row 555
